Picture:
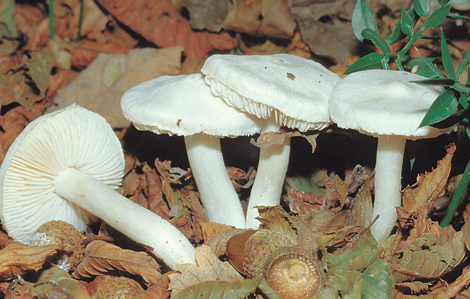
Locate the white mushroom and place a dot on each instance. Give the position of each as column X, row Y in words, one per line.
column 184, row 105
column 282, row 89
column 66, row 166
column 384, row 104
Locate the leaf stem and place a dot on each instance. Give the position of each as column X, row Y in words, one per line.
column 458, row 195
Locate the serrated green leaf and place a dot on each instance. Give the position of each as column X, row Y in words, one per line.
column 406, row 22
column 431, row 66
column 362, row 18
column 422, row 7
column 377, row 280
column 446, row 58
column 436, row 81
column 378, row 41
column 442, row 107
column 436, row 18
column 369, row 62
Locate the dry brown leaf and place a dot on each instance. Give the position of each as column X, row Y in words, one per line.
column 208, row 267
column 161, row 23
column 101, row 257
column 101, row 85
column 18, row 258
column 12, row 124
column 218, row 241
column 267, row 139
column 266, row 18
column 198, row 215
column 429, row 186
column 156, row 203
column 277, row 219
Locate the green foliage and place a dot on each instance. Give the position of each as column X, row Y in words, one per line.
column 221, row 289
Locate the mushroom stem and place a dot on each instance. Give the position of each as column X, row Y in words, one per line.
column 133, row 220
column 272, row 168
column 220, row 200
column 387, row 179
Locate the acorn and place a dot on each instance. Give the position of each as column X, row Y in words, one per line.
column 290, row 270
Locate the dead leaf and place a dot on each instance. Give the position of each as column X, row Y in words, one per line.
column 430, row 185
column 18, row 258
column 208, row 267
column 101, row 85
column 221, row 289
column 156, row 203
column 198, row 215
column 266, row 18
column 161, row 23
column 101, row 257
column 267, row 139
column 12, row 124
column 275, row 218
column 208, row 15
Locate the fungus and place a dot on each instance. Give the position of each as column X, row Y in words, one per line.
column 184, row 105
column 385, row 104
column 66, row 166
column 283, row 90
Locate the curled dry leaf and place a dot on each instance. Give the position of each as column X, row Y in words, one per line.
column 198, row 215
column 101, row 85
column 161, row 23
column 430, row 185
column 12, row 123
column 18, row 258
column 217, row 235
column 156, row 202
column 266, row 18
column 208, row 267
column 276, row 218
column 120, row 287
column 102, row 257
column 267, row 139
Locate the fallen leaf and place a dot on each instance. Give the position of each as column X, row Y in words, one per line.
column 208, row 267
column 156, row 203
column 101, row 85
column 266, row 18
column 267, row 139
column 198, row 215
column 161, row 23
column 207, row 15
column 220, row 289
column 217, row 235
column 275, row 218
column 56, row 282
column 18, row 258
column 430, row 185
column 101, row 258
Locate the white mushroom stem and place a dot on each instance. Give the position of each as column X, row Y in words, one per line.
column 270, row 176
column 219, row 198
column 387, row 179
column 133, row 220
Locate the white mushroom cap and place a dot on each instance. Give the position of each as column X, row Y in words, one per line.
column 184, row 105
column 294, row 89
column 384, row 102
column 46, row 147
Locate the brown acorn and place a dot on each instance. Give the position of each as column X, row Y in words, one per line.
column 248, row 251
column 291, row 271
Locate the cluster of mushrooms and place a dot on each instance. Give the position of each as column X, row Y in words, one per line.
column 68, row 164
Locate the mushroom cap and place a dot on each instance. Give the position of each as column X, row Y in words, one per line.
column 384, row 102
column 184, row 105
column 296, row 90
column 72, row 137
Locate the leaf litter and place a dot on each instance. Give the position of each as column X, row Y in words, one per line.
column 326, row 214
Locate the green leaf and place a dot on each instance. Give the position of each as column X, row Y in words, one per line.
column 429, row 63
column 436, row 81
column 406, row 22
column 378, row 41
column 220, row 289
column 369, row 62
column 436, row 18
column 362, row 18
column 422, row 7
column 461, row 88
column 443, row 2
column 446, row 58
column 463, row 101
column 463, row 64
column 442, row 107
column 377, row 280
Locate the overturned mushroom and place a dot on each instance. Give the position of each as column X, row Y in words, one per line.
column 66, row 166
